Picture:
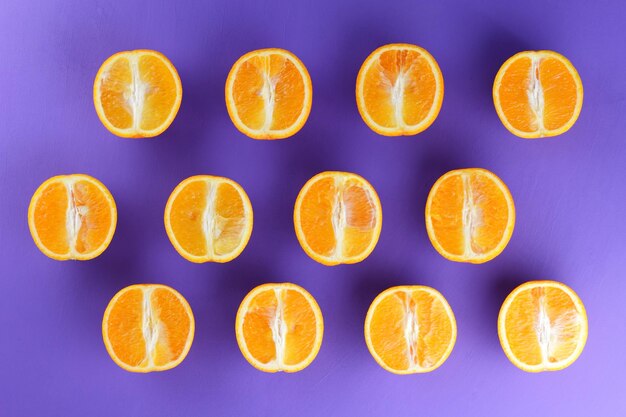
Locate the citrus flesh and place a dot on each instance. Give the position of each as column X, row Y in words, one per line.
column 72, row 217
column 538, row 94
column 542, row 326
column 148, row 327
column 410, row 329
column 399, row 90
column 137, row 93
column 269, row 94
column 208, row 219
column 338, row 218
column 470, row 215
column 279, row 327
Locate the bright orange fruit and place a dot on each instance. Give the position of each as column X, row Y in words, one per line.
column 542, row 326
column 338, row 218
column 279, row 327
column 269, row 94
column 72, row 217
column 399, row 90
column 470, row 215
column 148, row 327
column 538, row 94
column 410, row 329
column 137, row 93
column 208, row 219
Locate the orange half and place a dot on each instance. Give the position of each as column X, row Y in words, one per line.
column 72, row 217
column 538, row 94
column 470, row 215
column 137, row 94
column 399, row 90
column 337, row 218
column 269, row 94
column 148, row 328
column 279, row 327
column 208, row 219
column 410, row 329
column 542, row 326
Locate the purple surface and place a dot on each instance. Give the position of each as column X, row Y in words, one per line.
column 569, row 193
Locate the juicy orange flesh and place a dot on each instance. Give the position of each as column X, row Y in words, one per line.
column 559, row 93
column 187, row 217
column 349, row 203
column 167, row 319
column 558, row 89
column 49, row 218
column 254, row 80
column 410, row 329
column 263, row 317
column 92, row 215
column 96, row 221
column 174, row 326
column 524, row 324
column 230, row 219
column 301, row 327
column 124, row 328
column 144, row 77
column 413, row 77
column 160, row 94
column 447, row 215
column 489, row 201
column 469, row 203
column 115, row 90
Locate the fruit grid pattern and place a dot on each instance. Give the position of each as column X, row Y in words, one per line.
column 470, row 213
column 567, row 197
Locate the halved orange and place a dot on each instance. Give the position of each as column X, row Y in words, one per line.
column 338, row 218
column 410, row 329
column 470, row 215
column 269, row 94
column 148, row 327
column 399, row 90
column 542, row 326
column 72, row 217
column 538, row 94
column 279, row 327
column 208, row 219
column 137, row 94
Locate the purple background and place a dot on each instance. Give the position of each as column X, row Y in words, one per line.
column 569, row 193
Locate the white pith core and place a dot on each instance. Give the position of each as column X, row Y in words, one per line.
column 137, row 92
column 544, row 331
column 268, row 93
column 339, row 220
column 149, row 327
column 472, row 216
column 279, row 329
column 210, row 228
column 397, row 98
column 411, row 333
column 535, row 93
column 73, row 216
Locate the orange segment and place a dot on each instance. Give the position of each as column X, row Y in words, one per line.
column 337, row 218
column 470, row 215
column 410, row 329
column 208, row 219
column 538, row 94
column 147, row 328
column 542, row 326
column 137, row 93
column 279, row 327
column 269, row 94
column 72, row 217
column 399, row 90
